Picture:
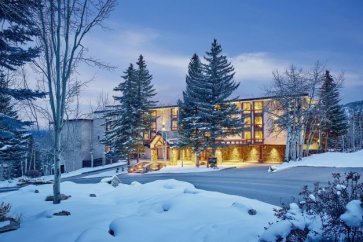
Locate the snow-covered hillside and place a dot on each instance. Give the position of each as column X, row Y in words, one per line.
column 329, row 159
column 164, row 210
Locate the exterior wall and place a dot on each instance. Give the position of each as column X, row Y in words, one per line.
column 75, row 143
column 98, row 131
column 273, row 138
column 80, row 140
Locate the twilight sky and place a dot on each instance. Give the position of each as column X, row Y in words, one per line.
column 258, row 37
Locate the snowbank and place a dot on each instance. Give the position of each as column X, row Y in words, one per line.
column 187, row 169
column 107, row 173
column 329, row 159
column 14, row 182
column 88, row 169
column 164, row 210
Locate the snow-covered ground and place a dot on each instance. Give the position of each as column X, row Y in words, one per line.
column 14, row 182
column 88, row 169
column 188, row 169
column 164, row 210
column 329, row 159
column 107, row 173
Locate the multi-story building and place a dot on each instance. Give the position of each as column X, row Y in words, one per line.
column 255, row 143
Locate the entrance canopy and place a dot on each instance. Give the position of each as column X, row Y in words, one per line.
column 170, row 137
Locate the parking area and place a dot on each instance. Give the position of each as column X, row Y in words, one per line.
column 251, row 181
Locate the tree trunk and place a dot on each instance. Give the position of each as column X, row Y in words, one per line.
column 326, row 141
column 197, row 158
column 137, row 154
column 57, row 173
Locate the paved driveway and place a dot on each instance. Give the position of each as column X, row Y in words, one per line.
column 252, row 182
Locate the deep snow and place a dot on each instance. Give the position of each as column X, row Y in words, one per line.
column 164, row 210
column 14, row 182
column 329, row 159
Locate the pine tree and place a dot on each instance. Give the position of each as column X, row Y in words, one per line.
column 222, row 118
column 123, row 134
column 191, row 125
column 334, row 123
column 144, row 101
column 13, row 137
column 18, row 29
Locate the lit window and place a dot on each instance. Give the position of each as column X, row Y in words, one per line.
column 258, row 135
column 258, row 121
column 247, row 135
column 146, row 136
column 246, row 107
column 174, row 112
column 247, row 121
column 174, row 125
column 153, row 125
column 153, row 113
column 258, row 107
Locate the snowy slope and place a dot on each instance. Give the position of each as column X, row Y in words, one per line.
column 15, row 181
column 329, row 159
column 164, row 210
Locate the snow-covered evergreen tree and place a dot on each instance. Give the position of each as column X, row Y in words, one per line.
column 13, row 137
column 16, row 36
column 334, row 123
column 18, row 29
column 221, row 118
column 123, row 132
column 144, row 101
column 191, row 124
column 129, row 120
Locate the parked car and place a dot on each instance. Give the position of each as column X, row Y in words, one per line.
column 212, row 162
column 154, row 166
column 138, row 167
column 145, row 166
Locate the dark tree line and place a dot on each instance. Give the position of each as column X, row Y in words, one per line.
column 18, row 31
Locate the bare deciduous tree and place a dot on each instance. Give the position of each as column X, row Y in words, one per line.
column 294, row 107
column 63, row 24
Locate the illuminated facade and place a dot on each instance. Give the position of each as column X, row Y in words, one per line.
column 254, row 144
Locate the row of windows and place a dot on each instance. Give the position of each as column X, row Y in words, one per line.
column 258, row 121
column 247, row 135
column 257, row 107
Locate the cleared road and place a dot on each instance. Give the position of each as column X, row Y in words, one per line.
column 252, row 182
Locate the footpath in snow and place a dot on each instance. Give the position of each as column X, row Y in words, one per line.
column 329, row 159
column 163, row 210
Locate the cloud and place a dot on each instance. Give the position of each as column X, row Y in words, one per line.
column 257, row 66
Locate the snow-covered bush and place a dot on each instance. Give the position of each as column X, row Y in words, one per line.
column 330, row 213
column 4, row 210
column 7, row 223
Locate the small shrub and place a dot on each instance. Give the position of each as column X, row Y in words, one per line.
column 62, row 213
column 50, row 198
column 14, row 223
column 252, row 211
column 115, row 181
column 4, row 210
column 33, row 173
column 318, row 213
